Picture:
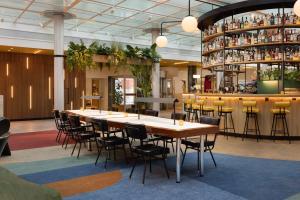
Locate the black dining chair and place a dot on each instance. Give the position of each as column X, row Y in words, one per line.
column 109, row 140
column 81, row 133
column 166, row 139
column 208, row 144
column 58, row 124
column 144, row 150
column 65, row 122
column 4, row 134
column 153, row 113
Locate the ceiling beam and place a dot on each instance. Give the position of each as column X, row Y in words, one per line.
column 25, row 9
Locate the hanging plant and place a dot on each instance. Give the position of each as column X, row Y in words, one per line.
column 80, row 57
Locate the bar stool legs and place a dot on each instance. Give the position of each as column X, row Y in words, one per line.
column 250, row 116
column 226, row 127
column 285, row 130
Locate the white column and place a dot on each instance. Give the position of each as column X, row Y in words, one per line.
column 58, row 62
column 155, row 75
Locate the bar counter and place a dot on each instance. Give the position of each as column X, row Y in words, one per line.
column 264, row 104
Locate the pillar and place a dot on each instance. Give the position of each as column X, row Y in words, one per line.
column 155, row 75
column 58, row 62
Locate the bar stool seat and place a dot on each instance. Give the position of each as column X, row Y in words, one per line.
column 226, row 110
column 279, row 111
column 254, row 110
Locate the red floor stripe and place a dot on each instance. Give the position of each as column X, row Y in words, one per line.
column 32, row 140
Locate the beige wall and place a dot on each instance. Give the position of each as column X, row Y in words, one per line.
column 103, row 76
column 176, row 74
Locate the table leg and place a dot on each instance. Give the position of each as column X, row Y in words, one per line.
column 202, row 155
column 89, row 145
column 178, row 159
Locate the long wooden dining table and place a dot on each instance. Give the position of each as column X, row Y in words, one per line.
column 157, row 125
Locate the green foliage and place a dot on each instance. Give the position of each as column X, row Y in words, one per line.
column 79, row 56
column 117, row 94
column 292, row 75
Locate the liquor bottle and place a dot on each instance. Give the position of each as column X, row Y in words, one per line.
column 254, row 23
column 272, row 20
column 242, row 25
column 246, row 25
column 226, row 26
column 233, row 24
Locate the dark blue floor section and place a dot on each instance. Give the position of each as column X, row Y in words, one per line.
column 234, row 178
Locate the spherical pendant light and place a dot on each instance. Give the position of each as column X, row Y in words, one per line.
column 161, row 41
column 189, row 24
column 297, row 8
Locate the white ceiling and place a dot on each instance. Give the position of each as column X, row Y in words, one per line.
column 117, row 18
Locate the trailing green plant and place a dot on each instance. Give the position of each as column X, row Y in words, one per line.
column 143, row 74
column 293, row 75
column 79, row 56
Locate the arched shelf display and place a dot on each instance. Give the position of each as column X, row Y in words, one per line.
column 263, row 36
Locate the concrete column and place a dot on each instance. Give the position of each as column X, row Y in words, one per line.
column 58, row 62
column 155, row 75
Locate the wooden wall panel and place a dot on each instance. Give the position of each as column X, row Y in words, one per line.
column 40, row 68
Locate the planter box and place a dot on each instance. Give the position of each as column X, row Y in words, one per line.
column 130, row 61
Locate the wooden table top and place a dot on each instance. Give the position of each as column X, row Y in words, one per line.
column 157, row 125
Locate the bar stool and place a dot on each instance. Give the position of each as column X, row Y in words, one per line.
column 279, row 111
column 188, row 108
column 197, row 108
column 207, row 110
column 251, row 113
column 224, row 111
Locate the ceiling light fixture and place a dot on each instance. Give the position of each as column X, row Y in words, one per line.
column 189, row 23
column 297, row 8
column 161, row 40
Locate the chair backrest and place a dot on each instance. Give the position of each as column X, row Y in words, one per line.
column 101, row 125
column 74, row 121
column 153, row 113
column 4, row 126
column 210, row 120
column 4, row 133
column 56, row 114
column 64, row 117
column 178, row 116
column 136, row 131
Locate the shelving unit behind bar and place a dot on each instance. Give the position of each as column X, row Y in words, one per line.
column 248, row 6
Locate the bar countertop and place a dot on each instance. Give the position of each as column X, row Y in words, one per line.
column 241, row 95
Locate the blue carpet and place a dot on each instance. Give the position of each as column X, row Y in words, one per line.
column 235, row 178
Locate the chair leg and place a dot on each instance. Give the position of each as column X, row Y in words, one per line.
column 183, row 157
column 67, row 142
column 145, row 168
column 256, row 128
column 106, row 158
column 125, row 154
column 165, row 165
column 74, row 148
column 79, row 149
column 135, row 161
column 62, row 145
column 172, row 143
column 150, row 164
column 212, row 156
column 99, row 153
column 198, row 160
